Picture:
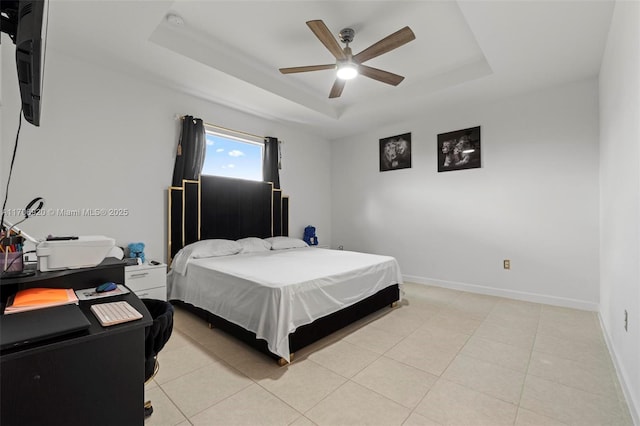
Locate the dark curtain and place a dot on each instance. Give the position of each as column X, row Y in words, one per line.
column 271, row 162
column 191, row 150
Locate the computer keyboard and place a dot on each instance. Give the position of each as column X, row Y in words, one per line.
column 113, row 313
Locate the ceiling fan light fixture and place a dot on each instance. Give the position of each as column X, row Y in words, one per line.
column 347, row 65
column 347, row 70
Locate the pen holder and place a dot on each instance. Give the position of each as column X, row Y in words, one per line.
column 11, row 261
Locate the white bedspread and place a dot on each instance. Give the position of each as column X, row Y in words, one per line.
column 272, row 293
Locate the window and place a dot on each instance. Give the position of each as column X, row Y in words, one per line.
column 232, row 156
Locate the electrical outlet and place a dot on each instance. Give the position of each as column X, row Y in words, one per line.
column 506, row 264
column 626, row 320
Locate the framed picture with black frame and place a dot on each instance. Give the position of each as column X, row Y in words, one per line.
column 459, row 150
column 395, row 152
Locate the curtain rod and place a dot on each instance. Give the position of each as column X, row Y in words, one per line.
column 226, row 129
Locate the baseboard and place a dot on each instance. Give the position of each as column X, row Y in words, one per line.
column 622, row 375
column 510, row 294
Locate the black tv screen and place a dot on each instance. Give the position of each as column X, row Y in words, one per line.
column 26, row 23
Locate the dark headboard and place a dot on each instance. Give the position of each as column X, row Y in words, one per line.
column 220, row 207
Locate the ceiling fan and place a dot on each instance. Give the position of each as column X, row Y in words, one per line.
column 349, row 65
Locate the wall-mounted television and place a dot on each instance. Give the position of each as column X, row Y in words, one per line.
column 25, row 21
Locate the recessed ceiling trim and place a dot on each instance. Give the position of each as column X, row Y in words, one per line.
column 191, row 44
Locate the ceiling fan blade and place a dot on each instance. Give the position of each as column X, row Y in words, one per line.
column 380, row 75
column 324, row 35
column 307, row 68
column 336, row 90
column 387, row 44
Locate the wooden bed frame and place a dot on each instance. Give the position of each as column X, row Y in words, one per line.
column 219, row 207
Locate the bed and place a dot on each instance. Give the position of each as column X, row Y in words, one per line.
column 234, row 265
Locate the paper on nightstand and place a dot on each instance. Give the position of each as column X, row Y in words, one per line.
column 90, row 293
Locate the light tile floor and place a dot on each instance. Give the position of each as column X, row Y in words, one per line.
column 443, row 357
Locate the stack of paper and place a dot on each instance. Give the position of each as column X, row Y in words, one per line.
column 38, row 298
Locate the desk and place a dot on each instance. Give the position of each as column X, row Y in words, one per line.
column 95, row 377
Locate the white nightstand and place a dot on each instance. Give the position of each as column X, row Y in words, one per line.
column 147, row 281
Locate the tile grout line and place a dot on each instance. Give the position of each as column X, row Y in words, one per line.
column 413, row 410
column 526, row 374
column 218, row 359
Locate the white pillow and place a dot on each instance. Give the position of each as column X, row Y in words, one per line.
column 253, row 244
column 281, row 243
column 212, row 248
column 202, row 249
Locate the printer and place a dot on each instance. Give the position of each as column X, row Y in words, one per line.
column 81, row 252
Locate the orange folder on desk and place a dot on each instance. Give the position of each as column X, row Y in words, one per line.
column 38, row 298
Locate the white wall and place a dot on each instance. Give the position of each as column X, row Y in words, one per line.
column 534, row 201
column 620, row 190
column 4, row 41
column 108, row 140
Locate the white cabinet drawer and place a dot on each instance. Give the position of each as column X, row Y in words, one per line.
column 158, row 293
column 139, row 280
column 147, row 281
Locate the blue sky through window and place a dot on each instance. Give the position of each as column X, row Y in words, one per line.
column 232, row 158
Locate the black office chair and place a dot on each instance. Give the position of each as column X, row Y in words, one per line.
column 156, row 336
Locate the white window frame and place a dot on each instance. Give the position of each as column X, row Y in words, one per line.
column 239, row 137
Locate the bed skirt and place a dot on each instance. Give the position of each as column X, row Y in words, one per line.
column 309, row 333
